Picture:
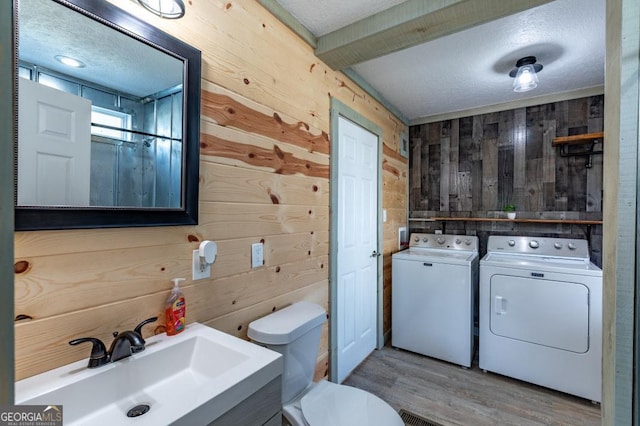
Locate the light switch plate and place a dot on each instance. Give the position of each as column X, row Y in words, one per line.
column 196, row 272
column 257, row 255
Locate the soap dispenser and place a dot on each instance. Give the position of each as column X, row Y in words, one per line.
column 175, row 309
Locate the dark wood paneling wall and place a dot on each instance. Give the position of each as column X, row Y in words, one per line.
column 473, row 166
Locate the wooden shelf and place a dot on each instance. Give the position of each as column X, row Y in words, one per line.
column 578, row 139
column 491, row 219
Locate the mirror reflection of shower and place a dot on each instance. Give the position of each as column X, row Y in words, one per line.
column 100, row 120
column 136, row 142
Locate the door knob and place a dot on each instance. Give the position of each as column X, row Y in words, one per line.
column 375, row 254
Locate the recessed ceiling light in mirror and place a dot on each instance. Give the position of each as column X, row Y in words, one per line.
column 69, row 61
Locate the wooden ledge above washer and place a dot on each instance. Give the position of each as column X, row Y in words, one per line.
column 492, row 219
column 578, row 139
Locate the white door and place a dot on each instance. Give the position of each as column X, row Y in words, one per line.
column 54, row 146
column 357, row 242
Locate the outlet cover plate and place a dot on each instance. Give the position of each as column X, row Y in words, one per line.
column 257, row 255
column 402, row 237
column 197, row 273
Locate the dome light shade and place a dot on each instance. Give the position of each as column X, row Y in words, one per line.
column 170, row 9
column 526, row 74
column 526, row 79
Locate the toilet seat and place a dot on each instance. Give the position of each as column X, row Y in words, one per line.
column 330, row 404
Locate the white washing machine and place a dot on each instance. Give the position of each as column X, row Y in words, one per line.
column 541, row 313
column 434, row 289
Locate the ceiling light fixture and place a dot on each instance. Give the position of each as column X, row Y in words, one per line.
column 69, row 61
column 169, row 9
column 525, row 74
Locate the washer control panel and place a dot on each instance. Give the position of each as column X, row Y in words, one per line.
column 542, row 246
column 444, row 241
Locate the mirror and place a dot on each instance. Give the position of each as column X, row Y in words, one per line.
column 108, row 119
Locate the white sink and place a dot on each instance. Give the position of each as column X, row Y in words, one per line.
column 195, row 376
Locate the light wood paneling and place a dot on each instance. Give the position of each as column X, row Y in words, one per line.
column 233, row 220
column 264, row 176
column 246, row 149
column 43, row 342
column 236, row 184
column 228, row 110
column 237, row 322
column 44, row 243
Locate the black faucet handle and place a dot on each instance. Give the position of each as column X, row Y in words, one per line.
column 99, row 355
column 138, row 328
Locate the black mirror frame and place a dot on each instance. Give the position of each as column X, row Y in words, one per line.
column 42, row 218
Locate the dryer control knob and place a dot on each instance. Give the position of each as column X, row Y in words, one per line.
column 512, row 243
column 458, row 241
column 557, row 245
column 416, row 239
column 425, row 239
column 534, row 244
column 440, row 240
column 571, row 246
column 467, row 242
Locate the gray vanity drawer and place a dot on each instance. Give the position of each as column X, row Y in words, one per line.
column 257, row 410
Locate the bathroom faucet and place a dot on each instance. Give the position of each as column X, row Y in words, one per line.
column 124, row 344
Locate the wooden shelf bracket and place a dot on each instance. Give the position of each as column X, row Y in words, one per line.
column 593, row 139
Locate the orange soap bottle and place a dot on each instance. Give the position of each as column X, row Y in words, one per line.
column 175, row 309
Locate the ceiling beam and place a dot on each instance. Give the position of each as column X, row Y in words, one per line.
column 408, row 24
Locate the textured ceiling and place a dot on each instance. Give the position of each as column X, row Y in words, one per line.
column 112, row 59
column 469, row 69
column 322, row 17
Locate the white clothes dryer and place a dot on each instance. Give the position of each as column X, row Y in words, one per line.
column 541, row 313
column 433, row 295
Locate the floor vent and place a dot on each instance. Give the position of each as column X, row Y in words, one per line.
column 411, row 419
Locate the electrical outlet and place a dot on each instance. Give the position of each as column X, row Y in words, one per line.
column 402, row 237
column 197, row 273
column 257, row 255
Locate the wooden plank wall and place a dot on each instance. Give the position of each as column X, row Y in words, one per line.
column 473, row 166
column 264, row 176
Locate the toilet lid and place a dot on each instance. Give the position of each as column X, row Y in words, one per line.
column 329, row 404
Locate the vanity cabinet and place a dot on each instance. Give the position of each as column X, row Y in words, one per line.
column 263, row 408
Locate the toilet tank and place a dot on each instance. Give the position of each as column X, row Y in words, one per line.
column 295, row 333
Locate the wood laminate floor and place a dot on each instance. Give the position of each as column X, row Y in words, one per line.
column 451, row 395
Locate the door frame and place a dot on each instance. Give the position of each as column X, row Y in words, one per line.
column 339, row 109
column 8, row 104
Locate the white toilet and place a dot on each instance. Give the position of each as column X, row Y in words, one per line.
column 295, row 333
